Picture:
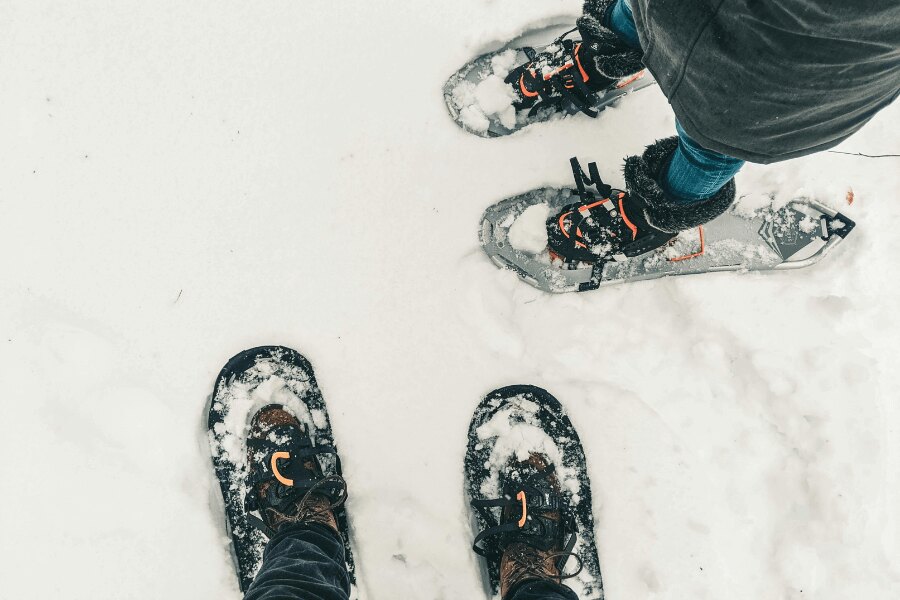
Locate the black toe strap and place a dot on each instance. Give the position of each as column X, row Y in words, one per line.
column 531, row 524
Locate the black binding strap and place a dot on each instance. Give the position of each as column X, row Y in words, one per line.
column 579, row 95
column 495, row 528
column 583, row 181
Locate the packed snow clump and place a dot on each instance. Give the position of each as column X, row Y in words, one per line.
column 517, row 434
column 490, row 98
column 529, row 232
column 240, row 400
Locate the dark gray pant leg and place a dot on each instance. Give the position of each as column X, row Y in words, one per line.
column 542, row 590
column 302, row 562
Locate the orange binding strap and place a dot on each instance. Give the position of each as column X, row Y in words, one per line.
column 695, row 254
column 556, row 71
column 592, row 205
column 281, row 478
column 625, row 218
column 521, row 497
column 525, row 91
column 584, row 75
column 634, row 77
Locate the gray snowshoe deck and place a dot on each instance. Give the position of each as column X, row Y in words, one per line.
column 459, row 90
column 798, row 235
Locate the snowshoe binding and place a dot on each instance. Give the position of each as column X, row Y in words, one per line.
column 285, row 481
column 602, row 225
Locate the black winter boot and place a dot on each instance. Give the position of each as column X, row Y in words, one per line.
column 568, row 74
column 642, row 176
column 632, row 222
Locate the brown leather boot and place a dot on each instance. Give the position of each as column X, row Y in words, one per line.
column 522, row 562
column 535, row 534
column 286, row 480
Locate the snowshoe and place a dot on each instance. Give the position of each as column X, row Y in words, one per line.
column 273, row 453
column 527, row 483
column 575, row 240
column 503, row 91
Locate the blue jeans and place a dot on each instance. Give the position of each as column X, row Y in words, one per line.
column 306, row 562
column 620, row 19
column 694, row 173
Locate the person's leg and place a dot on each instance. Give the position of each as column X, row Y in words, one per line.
column 695, row 173
column 620, row 19
column 541, row 590
column 305, row 562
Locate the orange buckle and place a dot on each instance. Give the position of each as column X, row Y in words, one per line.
column 521, row 497
column 281, row 478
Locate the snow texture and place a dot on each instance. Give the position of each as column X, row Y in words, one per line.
column 490, row 97
column 183, row 180
column 529, row 232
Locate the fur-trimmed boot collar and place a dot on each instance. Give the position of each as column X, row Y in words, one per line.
column 642, row 175
column 593, row 14
column 612, row 57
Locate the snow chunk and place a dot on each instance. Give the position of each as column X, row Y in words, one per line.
column 808, row 224
column 503, row 63
column 493, row 95
column 473, row 118
column 748, row 206
column 529, row 232
column 517, row 433
column 490, row 98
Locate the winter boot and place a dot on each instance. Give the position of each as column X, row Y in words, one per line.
column 567, row 75
column 285, row 483
column 537, row 529
column 619, row 223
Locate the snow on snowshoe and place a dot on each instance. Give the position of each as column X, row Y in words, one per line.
column 503, row 91
column 574, row 240
column 296, row 452
column 530, row 494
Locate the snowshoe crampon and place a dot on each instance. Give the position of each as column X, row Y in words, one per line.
column 513, row 423
column 483, row 99
column 513, row 234
column 249, row 381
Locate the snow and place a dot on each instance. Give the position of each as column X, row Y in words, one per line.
column 243, row 401
column 809, row 225
column 518, row 435
column 490, row 97
column 685, row 243
column 528, row 233
column 180, row 181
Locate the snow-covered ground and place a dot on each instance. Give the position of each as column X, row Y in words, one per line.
column 183, row 180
